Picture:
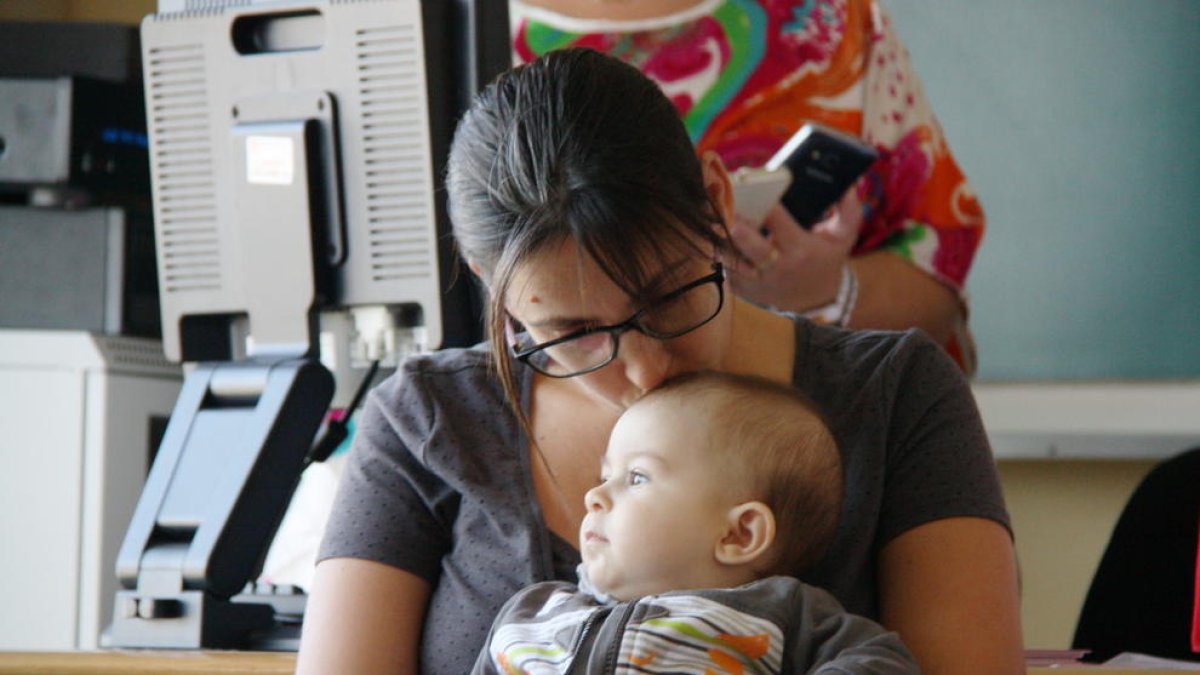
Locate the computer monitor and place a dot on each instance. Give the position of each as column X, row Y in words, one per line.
column 297, row 153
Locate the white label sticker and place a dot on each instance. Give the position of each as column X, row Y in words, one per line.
column 270, row 160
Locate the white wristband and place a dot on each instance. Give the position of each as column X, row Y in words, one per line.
column 838, row 312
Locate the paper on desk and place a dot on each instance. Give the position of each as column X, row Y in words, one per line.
column 1049, row 658
column 1145, row 661
column 293, row 554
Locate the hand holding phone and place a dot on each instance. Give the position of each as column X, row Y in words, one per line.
column 809, row 174
column 824, row 163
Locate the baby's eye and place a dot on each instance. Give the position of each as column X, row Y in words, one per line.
column 638, row 478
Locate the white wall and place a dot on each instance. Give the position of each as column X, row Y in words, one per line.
column 1063, row 512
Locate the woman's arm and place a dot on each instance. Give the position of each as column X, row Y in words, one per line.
column 950, row 589
column 362, row 617
column 796, row 270
column 894, row 294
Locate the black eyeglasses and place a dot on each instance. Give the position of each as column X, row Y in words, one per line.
column 681, row 311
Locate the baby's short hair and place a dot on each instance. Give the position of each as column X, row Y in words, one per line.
column 776, row 440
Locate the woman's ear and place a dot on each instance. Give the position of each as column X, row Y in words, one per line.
column 718, row 183
column 478, row 272
column 750, row 533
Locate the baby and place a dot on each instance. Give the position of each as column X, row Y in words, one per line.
column 712, row 488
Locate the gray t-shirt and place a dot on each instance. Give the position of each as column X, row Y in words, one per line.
column 439, row 480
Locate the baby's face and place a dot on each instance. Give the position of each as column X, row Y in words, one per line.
column 662, row 505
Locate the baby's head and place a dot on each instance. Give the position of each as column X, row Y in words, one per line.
column 711, row 480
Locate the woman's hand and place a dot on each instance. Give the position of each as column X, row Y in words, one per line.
column 797, row 270
column 787, row 267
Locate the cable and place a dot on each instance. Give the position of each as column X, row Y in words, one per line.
column 336, row 431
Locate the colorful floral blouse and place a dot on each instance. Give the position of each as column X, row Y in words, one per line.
column 746, row 74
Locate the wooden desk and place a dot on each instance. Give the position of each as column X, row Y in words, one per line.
column 133, row 661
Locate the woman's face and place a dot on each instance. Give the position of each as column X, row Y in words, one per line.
column 562, row 290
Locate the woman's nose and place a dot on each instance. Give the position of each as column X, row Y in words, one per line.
column 646, row 360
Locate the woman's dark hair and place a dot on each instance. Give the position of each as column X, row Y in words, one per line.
column 575, row 146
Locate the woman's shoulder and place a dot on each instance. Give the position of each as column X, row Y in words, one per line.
column 456, row 381
column 446, row 408
column 450, row 360
column 452, row 369
column 849, row 367
column 855, row 350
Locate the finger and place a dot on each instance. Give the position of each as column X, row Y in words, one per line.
column 784, row 230
column 768, row 261
column 750, row 242
column 843, row 221
column 832, row 226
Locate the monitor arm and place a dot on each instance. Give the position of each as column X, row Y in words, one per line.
column 226, row 469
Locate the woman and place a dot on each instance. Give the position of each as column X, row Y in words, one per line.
column 745, row 75
column 578, row 199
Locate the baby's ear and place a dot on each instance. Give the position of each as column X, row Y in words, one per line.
column 750, row 533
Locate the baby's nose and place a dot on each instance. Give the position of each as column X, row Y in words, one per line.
column 595, row 500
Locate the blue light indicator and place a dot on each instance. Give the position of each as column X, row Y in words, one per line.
column 118, row 136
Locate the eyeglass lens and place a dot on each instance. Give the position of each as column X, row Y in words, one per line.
column 676, row 315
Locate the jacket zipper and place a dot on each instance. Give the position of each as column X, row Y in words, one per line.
column 582, row 636
column 614, row 650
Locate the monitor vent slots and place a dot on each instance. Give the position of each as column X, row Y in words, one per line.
column 399, row 206
column 186, row 204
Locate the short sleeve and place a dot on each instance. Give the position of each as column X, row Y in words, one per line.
column 939, row 462
column 390, row 507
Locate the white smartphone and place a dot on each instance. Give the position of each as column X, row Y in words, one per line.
column 755, row 191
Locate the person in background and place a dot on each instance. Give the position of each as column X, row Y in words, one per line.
column 579, row 201
column 712, row 486
column 747, row 74
column 1145, row 595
